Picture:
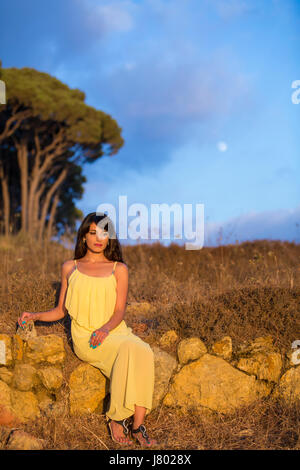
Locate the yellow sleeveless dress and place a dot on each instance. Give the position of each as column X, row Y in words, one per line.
column 123, row 357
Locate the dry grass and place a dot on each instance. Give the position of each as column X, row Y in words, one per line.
column 243, row 291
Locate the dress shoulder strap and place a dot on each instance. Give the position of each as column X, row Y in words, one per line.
column 114, row 267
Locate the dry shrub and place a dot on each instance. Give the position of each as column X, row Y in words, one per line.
column 244, row 291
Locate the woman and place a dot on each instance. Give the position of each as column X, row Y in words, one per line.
column 94, row 292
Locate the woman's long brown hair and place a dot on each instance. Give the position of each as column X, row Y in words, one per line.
column 113, row 250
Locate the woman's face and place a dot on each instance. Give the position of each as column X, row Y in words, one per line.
column 96, row 238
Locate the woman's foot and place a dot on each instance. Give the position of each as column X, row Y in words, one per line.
column 142, row 437
column 117, row 433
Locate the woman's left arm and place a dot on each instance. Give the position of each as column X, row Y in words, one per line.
column 122, row 289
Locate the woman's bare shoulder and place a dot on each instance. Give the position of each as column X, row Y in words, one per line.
column 67, row 265
column 122, row 265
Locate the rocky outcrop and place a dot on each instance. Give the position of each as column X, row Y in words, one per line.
column 88, row 389
column 223, row 348
column 164, row 366
column 261, row 359
column 221, row 380
column 190, row 349
column 211, row 382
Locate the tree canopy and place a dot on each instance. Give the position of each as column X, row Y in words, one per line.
column 47, row 133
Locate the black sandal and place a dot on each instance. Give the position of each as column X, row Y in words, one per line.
column 141, row 429
column 125, row 423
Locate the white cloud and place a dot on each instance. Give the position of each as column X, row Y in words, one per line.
column 112, row 16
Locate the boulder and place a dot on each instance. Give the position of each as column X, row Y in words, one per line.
column 48, row 348
column 20, row 440
column 261, row 359
column 25, row 405
column 6, row 375
column 190, row 349
column 24, row 377
column 7, row 415
column 164, row 366
column 223, row 348
column 168, row 339
column 289, row 386
column 213, row 383
column 51, row 377
column 18, row 347
column 87, row 389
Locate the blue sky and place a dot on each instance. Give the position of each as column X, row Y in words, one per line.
column 202, row 90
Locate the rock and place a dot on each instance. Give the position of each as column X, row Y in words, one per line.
column 7, row 416
column 213, row 383
column 261, row 359
column 48, row 348
column 28, row 332
column 168, row 339
column 139, row 308
column 4, row 435
column 51, row 377
column 18, row 347
column 293, row 357
column 289, row 386
column 223, row 348
column 25, row 377
column 20, row 440
column 25, row 405
column 164, row 366
column 6, row 375
column 87, row 389
column 190, row 349
column 6, row 357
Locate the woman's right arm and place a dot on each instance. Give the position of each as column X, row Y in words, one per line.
column 60, row 310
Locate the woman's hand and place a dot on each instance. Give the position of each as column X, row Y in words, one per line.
column 25, row 317
column 98, row 336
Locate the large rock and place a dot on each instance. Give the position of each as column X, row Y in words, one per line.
column 168, row 339
column 223, row 348
column 261, row 359
column 20, row 440
column 213, row 383
column 6, row 357
column 164, row 366
column 289, row 386
column 48, row 348
column 7, row 415
column 190, row 349
column 25, row 377
column 87, row 389
column 6, row 375
column 25, row 405
column 51, row 377
column 18, row 347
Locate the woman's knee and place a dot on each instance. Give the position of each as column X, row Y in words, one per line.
column 138, row 346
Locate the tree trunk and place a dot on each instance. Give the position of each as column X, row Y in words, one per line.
column 23, row 165
column 52, row 215
column 6, row 199
column 47, row 200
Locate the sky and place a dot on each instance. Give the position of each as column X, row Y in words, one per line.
column 202, row 90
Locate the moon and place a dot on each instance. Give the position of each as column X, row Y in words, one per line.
column 222, row 146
